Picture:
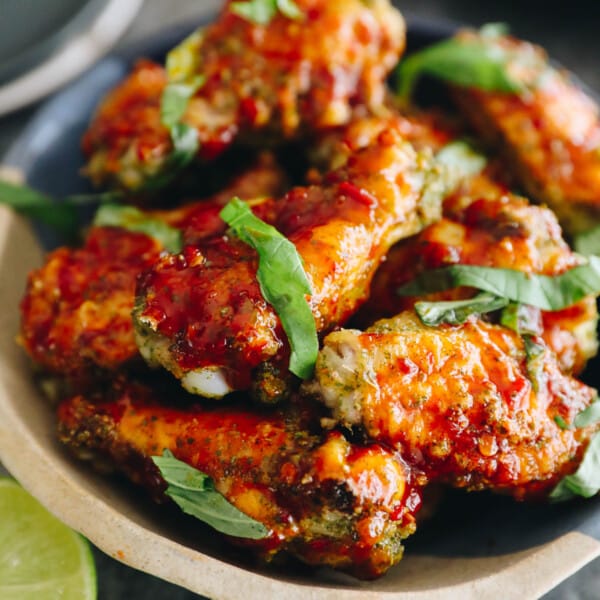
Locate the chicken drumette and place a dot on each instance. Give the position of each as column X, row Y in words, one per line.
column 269, row 82
column 201, row 314
column 549, row 132
column 487, row 226
column 321, row 498
column 474, row 405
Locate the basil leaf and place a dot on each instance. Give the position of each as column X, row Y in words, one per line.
column 543, row 291
column 61, row 216
column 195, row 494
column 465, row 62
column 460, row 157
column 175, row 98
column 262, row 12
column 283, row 283
column 534, row 356
column 589, row 416
column 456, row 312
column 585, row 481
column 588, row 242
column 128, row 217
column 518, row 317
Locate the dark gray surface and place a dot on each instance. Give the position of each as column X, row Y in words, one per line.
column 570, row 33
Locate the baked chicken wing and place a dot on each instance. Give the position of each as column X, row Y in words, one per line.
column 485, row 225
column 549, row 132
column 474, row 405
column 322, row 499
column 264, row 83
column 76, row 312
column 201, row 314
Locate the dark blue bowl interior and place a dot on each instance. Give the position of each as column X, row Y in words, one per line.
column 466, row 524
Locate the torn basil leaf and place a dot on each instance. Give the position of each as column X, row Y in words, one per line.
column 534, row 356
column 588, row 242
column 461, row 158
column 455, row 312
column 520, row 318
column 543, row 291
column 283, row 283
column 585, row 481
column 262, row 12
column 195, row 493
column 133, row 219
column 589, row 416
column 61, row 215
column 476, row 62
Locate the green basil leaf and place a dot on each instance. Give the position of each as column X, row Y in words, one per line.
column 589, row 416
column 61, row 216
column 175, row 98
column 534, row 356
column 588, row 242
column 456, row 312
column 585, row 481
column 262, row 12
column 283, row 283
column 543, row 291
column 518, row 317
column 128, row 217
column 461, row 158
column 195, row 494
column 468, row 63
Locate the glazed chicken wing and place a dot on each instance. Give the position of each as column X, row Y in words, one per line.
column 549, row 132
column 471, row 405
column 201, row 314
column 76, row 312
column 321, row 498
column 262, row 82
column 487, row 226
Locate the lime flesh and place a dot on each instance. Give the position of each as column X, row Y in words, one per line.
column 40, row 557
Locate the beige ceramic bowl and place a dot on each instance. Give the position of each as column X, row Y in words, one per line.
column 123, row 525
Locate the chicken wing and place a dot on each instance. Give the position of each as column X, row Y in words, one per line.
column 76, row 312
column 470, row 405
column 549, row 133
column 487, row 226
column 322, row 499
column 201, row 314
column 268, row 82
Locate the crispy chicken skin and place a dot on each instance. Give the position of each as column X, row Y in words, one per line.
column 485, row 225
column 263, row 82
column 549, row 133
column 201, row 314
column 324, row 500
column 76, row 312
column 465, row 404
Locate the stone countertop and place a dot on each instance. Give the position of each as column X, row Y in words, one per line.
column 569, row 31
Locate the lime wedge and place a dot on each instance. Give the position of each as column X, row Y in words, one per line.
column 40, row 557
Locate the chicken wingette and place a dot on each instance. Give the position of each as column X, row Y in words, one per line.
column 76, row 311
column 474, row 405
column 201, row 314
column 549, row 132
column 487, row 226
column 321, row 498
column 262, row 83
